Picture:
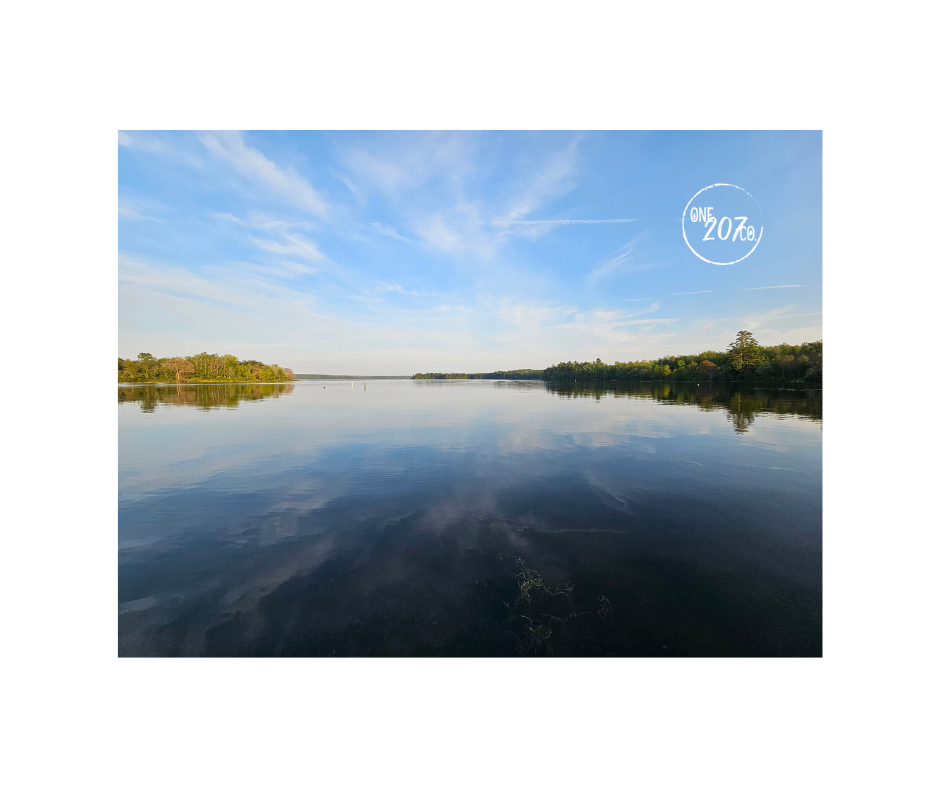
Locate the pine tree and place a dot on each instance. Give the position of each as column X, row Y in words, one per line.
column 744, row 352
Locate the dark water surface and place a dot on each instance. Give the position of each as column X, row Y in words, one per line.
column 469, row 518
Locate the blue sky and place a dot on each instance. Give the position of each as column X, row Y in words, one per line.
column 393, row 253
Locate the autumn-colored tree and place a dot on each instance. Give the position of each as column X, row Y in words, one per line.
column 708, row 369
column 180, row 367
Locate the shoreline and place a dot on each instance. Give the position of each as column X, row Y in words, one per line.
column 755, row 384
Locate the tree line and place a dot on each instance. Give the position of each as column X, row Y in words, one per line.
column 203, row 367
column 512, row 374
column 317, row 376
column 745, row 360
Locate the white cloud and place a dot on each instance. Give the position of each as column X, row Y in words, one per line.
column 261, row 222
column 138, row 141
column 132, row 211
column 126, row 211
column 226, row 217
column 297, row 268
column 296, row 246
column 388, row 175
column 455, row 223
column 615, row 260
column 408, row 160
column 397, row 288
column 695, row 292
column 553, row 180
column 555, row 222
column 256, row 167
column 436, row 232
column 349, row 184
column 389, row 231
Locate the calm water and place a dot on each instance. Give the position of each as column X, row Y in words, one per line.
column 469, row 518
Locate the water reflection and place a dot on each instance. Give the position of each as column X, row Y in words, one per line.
column 743, row 405
column 469, row 518
column 206, row 397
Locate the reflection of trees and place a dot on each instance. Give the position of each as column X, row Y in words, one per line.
column 742, row 405
column 206, row 397
column 741, row 410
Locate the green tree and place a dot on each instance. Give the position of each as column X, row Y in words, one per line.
column 744, row 352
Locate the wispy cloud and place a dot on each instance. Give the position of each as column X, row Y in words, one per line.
column 132, row 211
column 249, row 162
column 349, row 184
column 296, row 246
column 554, row 222
column 437, row 233
column 770, row 287
column 552, row 180
column 148, row 144
column 226, row 217
column 297, row 268
column 397, row 288
column 607, row 265
column 381, row 229
column 438, row 172
column 407, row 161
column 141, row 142
column 695, row 292
column 756, row 320
column 261, row 222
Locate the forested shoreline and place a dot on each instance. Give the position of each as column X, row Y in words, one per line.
column 744, row 361
column 512, row 374
column 201, row 368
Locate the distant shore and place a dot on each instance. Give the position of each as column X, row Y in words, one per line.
column 313, row 376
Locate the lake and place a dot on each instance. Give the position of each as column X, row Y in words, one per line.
column 469, row 518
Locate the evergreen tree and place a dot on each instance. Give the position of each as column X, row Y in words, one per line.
column 744, row 352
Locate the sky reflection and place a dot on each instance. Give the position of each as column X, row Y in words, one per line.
column 274, row 501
